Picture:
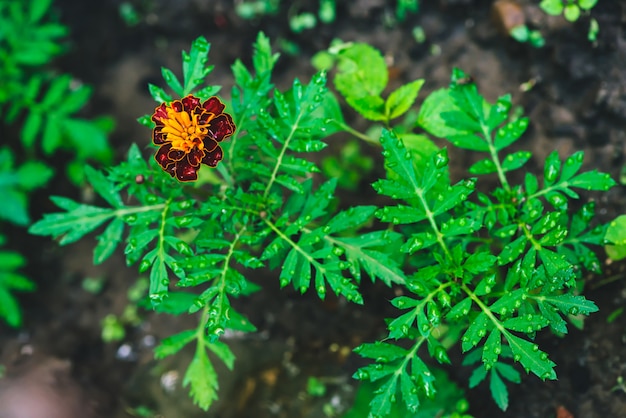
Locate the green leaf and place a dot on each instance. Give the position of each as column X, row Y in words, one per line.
column 401, row 99
column 571, row 12
column 349, row 219
column 513, row 250
column 33, row 174
column 552, row 7
column 492, row 348
column 380, row 351
column 108, row 241
column 485, row 166
column 158, row 94
column 531, row 358
column 593, row 180
column 72, row 225
column 587, row 4
column 103, row 187
column 615, row 237
column 499, row 393
column 195, row 69
column 515, row 160
column 526, row 323
column 174, row 343
column 569, row 304
column 475, row 332
column 361, row 71
column 370, row 107
column 460, row 310
column 202, row 379
column 430, row 117
column 510, row 133
column 172, row 81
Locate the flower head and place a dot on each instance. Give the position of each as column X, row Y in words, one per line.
column 188, row 133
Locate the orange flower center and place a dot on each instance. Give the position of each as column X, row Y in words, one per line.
column 184, row 131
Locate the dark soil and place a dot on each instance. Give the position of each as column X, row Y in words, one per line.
column 578, row 102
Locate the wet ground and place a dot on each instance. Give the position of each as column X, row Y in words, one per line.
column 577, row 102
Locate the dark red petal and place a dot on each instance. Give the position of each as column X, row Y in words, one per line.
column 159, row 113
column 177, row 105
column 190, row 102
column 161, row 156
column 213, row 105
column 209, row 144
column 221, row 127
column 212, row 158
column 185, row 171
column 158, row 137
column 170, row 169
column 195, row 156
column 176, row 154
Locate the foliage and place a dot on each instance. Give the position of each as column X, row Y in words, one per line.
column 11, row 281
column 572, row 10
column 43, row 104
column 486, row 267
column 46, row 102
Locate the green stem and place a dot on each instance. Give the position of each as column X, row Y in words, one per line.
column 283, row 150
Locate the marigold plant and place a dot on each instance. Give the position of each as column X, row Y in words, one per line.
column 483, row 267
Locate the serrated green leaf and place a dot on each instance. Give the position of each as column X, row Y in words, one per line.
column 475, row 332
column 401, row 99
column 526, row 323
column 172, row 81
column 174, row 343
column 454, row 196
column 222, row 351
column 592, row 180
column 531, row 357
column 103, row 187
column 380, row 351
column 202, row 379
column 570, row 304
column 479, row 262
column 370, row 107
column 460, row 310
column 492, row 348
column 512, row 250
column 158, row 94
column 349, row 219
column 515, row 160
column 510, row 133
column 361, row 71
column 469, row 141
column 108, row 241
column 195, row 68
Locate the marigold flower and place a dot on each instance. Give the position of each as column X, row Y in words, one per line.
column 188, row 133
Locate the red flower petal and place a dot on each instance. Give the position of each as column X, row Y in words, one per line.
column 159, row 113
column 190, row 102
column 185, row 171
column 177, row 105
column 158, row 137
column 176, row 154
column 161, row 156
column 195, row 156
column 221, row 127
column 209, row 144
column 212, row 158
column 214, row 105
